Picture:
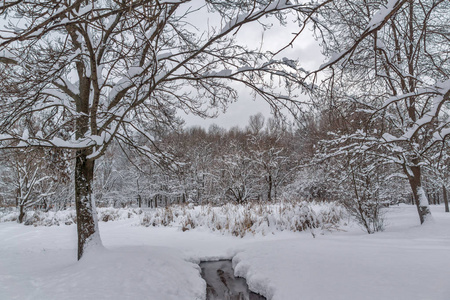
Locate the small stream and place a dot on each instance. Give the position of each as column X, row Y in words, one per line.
column 221, row 283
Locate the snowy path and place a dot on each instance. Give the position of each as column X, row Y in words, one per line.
column 405, row 262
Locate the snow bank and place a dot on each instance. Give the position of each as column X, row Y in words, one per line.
column 404, row 263
column 123, row 273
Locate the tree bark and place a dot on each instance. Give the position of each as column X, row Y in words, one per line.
column 419, row 194
column 87, row 226
column 444, row 195
column 269, row 192
column 21, row 213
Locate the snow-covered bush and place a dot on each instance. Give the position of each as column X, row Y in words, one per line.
column 50, row 218
column 8, row 215
column 67, row 217
column 330, row 215
column 240, row 220
column 106, row 214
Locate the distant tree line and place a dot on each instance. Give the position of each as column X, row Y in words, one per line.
column 267, row 160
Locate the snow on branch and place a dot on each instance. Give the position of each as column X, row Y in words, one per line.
column 376, row 23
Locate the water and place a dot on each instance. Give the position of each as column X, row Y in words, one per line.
column 222, row 285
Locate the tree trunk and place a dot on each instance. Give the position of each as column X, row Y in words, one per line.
column 87, row 227
column 444, row 195
column 269, row 192
column 419, row 194
column 21, row 213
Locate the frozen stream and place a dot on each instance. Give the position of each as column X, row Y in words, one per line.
column 221, row 283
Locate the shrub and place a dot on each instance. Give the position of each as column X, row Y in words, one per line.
column 242, row 219
column 367, row 213
column 67, row 217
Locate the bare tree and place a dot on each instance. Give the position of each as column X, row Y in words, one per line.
column 256, row 123
column 238, row 175
column 273, row 160
column 438, row 168
column 30, row 177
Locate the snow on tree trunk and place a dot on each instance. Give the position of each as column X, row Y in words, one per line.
column 422, row 205
column 419, row 194
column 87, row 225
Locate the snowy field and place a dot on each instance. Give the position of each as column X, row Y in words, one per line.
column 407, row 261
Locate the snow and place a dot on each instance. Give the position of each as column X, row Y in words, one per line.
column 221, row 73
column 407, row 261
column 24, row 138
column 272, row 6
column 389, row 137
column 245, row 68
column 397, row 264
column 237, row 20
column 134, row 71
column 6, row 54
column 444, row 86
column 334, row 58
column 381, row 14
column 164, row 55
column 423, row 199
column 440, row 136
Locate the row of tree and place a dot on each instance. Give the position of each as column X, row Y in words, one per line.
column 198, row 166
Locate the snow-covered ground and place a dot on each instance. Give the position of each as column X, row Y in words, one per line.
column 407, row 261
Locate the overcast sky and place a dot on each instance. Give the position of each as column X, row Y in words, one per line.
column 305, row 49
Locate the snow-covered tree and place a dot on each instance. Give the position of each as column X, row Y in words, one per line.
column 238, row 177
column 29, row 179
column 390, row 61
column 273, row 162
column 438, row 170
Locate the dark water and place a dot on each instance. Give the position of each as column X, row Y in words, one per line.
column 221, row 283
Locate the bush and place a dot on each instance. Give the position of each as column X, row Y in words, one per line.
column 9, row 215
column 368, row 214
column 242, row 219
column 106, row 214
column 67, row 217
